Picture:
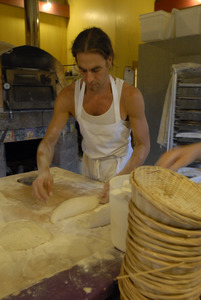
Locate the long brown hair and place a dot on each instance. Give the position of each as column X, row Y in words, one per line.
column 93, row 40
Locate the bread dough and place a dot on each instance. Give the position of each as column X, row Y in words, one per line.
column 99, row 217
column 22, row 235
column 5, row 258
column 73, row 207
column 120, row 195
column 8, row 273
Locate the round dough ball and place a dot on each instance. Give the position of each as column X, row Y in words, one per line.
column 22, row 235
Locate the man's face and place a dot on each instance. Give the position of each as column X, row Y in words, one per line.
column 94, row 69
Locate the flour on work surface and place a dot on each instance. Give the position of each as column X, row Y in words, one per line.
column 24, row 268
column 73, row 207
column 99, row 263
column 22, row 235
column 87, row 290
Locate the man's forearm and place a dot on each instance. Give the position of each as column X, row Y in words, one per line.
column 137, row 158
column 45, row 154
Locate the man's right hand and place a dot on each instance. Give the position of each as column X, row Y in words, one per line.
column 42, row 186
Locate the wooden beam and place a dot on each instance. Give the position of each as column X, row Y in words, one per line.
column 56, row 9
column 168, row 5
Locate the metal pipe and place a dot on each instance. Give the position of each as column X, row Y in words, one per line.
column 31, row 8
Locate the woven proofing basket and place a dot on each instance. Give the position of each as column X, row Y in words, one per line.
column 166, row 196
column 163, row 245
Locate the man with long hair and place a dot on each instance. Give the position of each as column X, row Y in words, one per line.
column 107, row 110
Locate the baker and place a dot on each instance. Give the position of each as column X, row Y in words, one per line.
column 107, row 110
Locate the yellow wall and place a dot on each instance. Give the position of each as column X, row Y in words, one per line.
column 120, row 19
column 128, row 32
column 53, row 37
column 83, row 14
column 12, row 25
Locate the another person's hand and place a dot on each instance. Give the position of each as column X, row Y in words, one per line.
column 177, row 158
column 42, row 186
column 104, row 195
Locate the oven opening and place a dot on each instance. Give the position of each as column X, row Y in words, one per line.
column 21, row 156
column 30, row 93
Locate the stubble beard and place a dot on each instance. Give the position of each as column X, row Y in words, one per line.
column 94, row 87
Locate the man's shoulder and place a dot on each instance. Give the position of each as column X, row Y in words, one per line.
column 68, row 90
column 129, row 90
column 65, row 100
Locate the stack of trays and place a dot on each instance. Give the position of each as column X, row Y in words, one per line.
column 163, row 244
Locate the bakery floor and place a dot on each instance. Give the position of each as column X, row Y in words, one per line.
column 78, row 262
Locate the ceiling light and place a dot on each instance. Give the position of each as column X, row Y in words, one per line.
column 47, row 6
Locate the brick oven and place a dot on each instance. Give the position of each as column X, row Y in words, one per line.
column 30, row 80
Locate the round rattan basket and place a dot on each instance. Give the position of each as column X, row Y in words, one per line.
column 163, row 243
column 168, row 197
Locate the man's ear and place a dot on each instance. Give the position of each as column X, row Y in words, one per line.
column 109, row 61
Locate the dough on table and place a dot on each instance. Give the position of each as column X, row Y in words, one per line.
column 73, row 207
column 22, row 235
column 99, row 217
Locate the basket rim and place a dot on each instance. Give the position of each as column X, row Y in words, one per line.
column 162, row 256
column 158, row 202
column 163, row 236
column 153, row 223
column 159, row 249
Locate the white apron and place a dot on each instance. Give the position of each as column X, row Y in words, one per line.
column 107, row 148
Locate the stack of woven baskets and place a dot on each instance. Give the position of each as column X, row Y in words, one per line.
column 163, row 245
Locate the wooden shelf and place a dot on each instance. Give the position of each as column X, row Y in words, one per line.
column 56, row 9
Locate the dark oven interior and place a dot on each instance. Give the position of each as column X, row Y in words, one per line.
column 30, row 79
column 27, row 88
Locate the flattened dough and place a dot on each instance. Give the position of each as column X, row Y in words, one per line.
column 73, row 207
column 22, row 235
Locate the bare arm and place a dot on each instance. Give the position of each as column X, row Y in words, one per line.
column 180, row 157
column 42, row 186
column 133, row 106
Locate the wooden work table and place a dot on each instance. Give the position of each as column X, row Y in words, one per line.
column 92, row 274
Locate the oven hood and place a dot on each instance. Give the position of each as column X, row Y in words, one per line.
column 32, row 23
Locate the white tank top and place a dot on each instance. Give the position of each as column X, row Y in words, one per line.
column 102, row 139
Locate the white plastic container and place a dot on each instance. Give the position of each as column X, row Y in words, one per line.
column 188, row 21
column 171, row 30
column 154, row 25
column 120, row 195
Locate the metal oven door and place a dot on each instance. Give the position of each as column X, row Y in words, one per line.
column 26, row 88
